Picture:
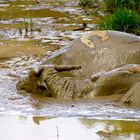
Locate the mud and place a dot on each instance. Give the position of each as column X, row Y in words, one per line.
column 29, row 33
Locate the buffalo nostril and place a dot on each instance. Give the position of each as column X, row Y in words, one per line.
column 42, row 87
column 45, row 90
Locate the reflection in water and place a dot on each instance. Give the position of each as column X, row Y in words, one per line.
column 37, row 119
column 115, row 129
column 25, row 128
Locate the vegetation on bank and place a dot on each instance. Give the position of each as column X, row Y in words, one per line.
column 113, row 5
column 122, row 20
column 121, row 15
column 87, row 3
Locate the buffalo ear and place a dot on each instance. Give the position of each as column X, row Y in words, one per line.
column 36, row 72
column 39, row 72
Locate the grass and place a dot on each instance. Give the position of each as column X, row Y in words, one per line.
column 122, row 20
column 112, row 5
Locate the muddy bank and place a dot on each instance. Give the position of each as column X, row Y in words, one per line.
column 27, row 27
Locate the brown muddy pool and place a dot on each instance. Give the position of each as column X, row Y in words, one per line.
column 29, row 33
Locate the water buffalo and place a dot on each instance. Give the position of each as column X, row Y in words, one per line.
column 98, row 63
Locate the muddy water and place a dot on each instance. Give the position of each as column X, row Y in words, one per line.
column 45, row 128
column 29, row 33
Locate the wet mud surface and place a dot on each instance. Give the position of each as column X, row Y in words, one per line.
column 29, row 33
